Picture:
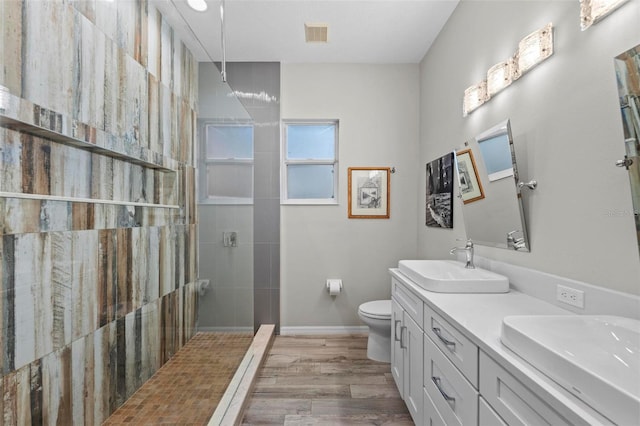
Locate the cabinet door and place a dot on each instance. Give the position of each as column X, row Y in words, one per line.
column 515, row 403
column 397, row 357
column 486, row 415
column 413, row 368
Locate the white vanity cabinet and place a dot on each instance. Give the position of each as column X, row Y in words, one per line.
column 407, row 352
column 446, row 378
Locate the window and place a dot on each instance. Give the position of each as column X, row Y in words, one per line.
column 310, row 162
column 227, row 154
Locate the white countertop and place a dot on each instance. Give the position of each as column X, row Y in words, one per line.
column 479, row 317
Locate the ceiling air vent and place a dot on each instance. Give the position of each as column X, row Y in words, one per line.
column 315, row 33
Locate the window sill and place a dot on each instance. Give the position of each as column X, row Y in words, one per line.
column 309, row 202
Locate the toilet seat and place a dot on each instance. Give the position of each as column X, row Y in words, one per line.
column 376, row 309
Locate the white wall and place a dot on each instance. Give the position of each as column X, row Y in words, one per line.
column 377, row 106
column 567, row 132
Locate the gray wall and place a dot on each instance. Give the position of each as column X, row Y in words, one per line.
column 567, row 133
column 377, row 106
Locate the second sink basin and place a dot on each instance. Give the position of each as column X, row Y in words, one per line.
column 595, row 357
column 445, row 276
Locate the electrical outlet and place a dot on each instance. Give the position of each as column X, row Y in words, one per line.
column 570, row 296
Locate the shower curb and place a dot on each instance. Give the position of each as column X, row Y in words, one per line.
column 231, row 407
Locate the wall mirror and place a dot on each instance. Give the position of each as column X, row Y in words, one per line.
column 627, row 67
column 488, row 184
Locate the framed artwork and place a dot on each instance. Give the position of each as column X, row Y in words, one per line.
column 470, row 185
column 369, row 192
column 439, row 208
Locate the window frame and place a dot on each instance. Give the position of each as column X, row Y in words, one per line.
column 284, row 162
column 205, row 162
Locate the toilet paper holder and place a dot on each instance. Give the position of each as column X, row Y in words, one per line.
column 334, row 286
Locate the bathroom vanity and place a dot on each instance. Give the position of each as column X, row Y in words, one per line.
column 452, row 369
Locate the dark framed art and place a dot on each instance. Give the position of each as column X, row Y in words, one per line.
column 439, row 200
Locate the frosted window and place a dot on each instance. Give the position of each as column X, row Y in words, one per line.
column 310, row 162
column 311, row 142
column 225, row 142
column 310, row 181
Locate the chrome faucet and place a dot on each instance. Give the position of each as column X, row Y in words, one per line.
column 468, row 249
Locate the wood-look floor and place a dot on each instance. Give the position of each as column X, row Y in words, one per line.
column 324, row 380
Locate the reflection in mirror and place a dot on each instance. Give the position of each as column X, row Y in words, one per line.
column 487, row 178
column 627, row 67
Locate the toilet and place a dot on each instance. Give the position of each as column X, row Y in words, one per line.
column 377, row 316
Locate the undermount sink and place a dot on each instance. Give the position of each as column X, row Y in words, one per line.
column 445, row 276
column 595, row 357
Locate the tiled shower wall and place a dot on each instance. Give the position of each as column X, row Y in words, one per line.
column 258, row 87
column 94, row 297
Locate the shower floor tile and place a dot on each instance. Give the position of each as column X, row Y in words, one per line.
column 187, row 389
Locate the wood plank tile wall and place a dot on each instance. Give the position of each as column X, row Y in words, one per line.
column 94, row 298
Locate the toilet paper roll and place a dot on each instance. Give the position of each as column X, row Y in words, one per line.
column 334, row 287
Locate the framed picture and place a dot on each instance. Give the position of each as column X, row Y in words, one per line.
column 470, row 185
column 369, row 192
column 439, row 208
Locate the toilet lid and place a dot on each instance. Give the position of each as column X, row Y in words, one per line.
column 380, row 309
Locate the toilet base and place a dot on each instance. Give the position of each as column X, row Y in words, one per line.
column 379, row 347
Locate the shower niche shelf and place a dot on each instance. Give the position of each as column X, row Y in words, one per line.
column 21, row 115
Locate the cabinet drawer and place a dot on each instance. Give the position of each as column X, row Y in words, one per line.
column 409, row 301
column 516, row 404
column 460, row 350
column 431, row 415
column 453, row 396
column 487, row 416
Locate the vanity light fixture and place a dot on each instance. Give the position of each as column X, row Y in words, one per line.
column 474, row 96
column 499, row 76
column 533, row 49
column 592, row 11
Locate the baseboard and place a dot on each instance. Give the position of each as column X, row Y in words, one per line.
column 290, row 331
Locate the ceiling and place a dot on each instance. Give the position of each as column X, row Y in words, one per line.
column 360, row 31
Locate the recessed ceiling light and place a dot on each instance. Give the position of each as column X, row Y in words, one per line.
column 198, row 5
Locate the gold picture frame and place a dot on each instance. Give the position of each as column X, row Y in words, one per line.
column 470, row 184
column 369, row 191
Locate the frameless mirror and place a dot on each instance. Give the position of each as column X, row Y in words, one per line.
column 488, row 183
column 627, row 66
